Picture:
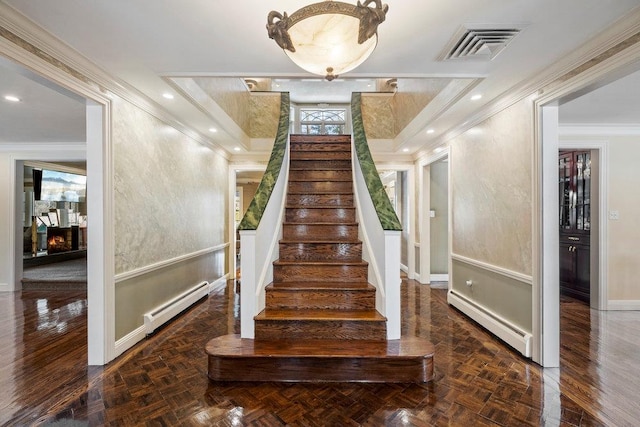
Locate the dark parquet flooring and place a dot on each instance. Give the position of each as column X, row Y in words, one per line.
column 163, row 380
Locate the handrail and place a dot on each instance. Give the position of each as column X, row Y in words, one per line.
column 253, row 215
column 384, row 209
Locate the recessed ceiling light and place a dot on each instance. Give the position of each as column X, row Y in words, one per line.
column 438, row 150
column 430, row 131
column 476, row 97
column 213, row 130
column 236, row 148
column 406, row 150
column 167, row 95
column 12, row 98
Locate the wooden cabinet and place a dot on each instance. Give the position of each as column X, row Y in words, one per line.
column 575, row 223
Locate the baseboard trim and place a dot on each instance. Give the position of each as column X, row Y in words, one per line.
column 439, row 278
column 219, row 284
column 500, row 327
column 4, row 287
column 623, row 305
column 404, row 268
column 129, row 340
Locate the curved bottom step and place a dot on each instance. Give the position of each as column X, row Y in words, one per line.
column 407, row 360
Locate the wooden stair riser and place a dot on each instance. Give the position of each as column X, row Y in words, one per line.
column 320, row 165
column 320, row 155
column 318, row 251
column 320, row 139
column 320, row 175
column 320, row 298
column 320, row 199
column 320, row 329
column 297, row 272
column 327, row 215
column 314, row 232
column 328, row 147
column 307, row 187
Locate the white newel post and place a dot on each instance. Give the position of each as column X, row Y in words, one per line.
column 392, row 283
column 247, row 283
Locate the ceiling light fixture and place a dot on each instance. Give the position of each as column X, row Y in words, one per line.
column 476, row 97
column 167, row 95
column 328, row 38
column 12, row 98
column 430, row 131
column 213, row 130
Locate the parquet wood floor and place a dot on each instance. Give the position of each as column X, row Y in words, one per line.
column 163, row 381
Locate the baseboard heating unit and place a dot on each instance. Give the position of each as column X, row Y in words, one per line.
column 165, row 312
column 502, row 328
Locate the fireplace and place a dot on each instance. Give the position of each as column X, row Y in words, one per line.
column 62, row 239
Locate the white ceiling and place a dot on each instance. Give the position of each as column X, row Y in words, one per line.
column 145, row 42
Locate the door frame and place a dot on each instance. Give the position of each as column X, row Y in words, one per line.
column 100, row 251
column 423, row 216
column 546, row 287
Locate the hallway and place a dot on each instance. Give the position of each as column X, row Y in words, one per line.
column 163, row 381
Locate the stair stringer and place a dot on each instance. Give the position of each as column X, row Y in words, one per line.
column 259, row 249
column 381, row 249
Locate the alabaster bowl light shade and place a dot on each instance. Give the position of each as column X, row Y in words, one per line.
column 328, row 38
column 328, row 44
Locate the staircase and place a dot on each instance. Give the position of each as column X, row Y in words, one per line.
column 320, row 322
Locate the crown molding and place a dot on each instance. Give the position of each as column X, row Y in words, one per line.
column 56, row 53
column 585, row 62
column 598, row 129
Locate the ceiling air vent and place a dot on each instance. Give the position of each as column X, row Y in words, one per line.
column 478, row 43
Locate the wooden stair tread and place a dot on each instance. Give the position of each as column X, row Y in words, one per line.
column 329, row 192
column 321, row 207
column 328, row 284
column 320, row 241
column 321, row 315
column 319, row 263
column 234, row 346
column 320, row 223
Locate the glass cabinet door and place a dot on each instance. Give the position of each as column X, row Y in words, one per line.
column 565, row 192
column 583, row 191
column 574, row 173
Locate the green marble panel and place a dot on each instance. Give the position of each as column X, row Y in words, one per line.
column 386, row 214
column 256, row 208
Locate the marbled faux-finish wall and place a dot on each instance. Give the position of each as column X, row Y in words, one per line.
column 491, row 184
column 378, row 117
column 231, row 94
column 169, row 191
column 412, row 96
column 265, row 115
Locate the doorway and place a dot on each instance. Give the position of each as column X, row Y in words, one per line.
column 76, row 114
column 433, row 253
